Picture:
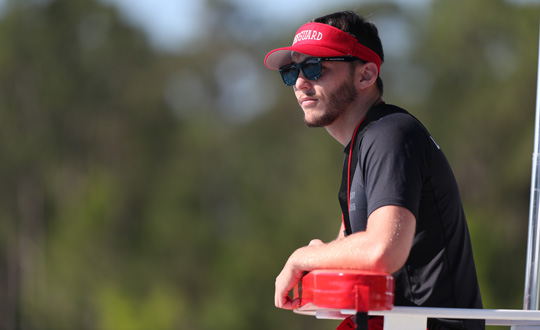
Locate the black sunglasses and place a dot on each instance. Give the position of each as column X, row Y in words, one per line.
column 311, row 68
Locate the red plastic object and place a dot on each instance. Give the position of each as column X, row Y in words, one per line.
column 338, row 290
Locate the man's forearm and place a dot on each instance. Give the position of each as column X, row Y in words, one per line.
column 384, row 246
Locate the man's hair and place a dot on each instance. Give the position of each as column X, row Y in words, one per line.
column 365, row 32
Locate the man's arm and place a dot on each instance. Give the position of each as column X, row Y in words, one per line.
column 384, row 246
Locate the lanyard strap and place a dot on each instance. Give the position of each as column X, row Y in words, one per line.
column 376, row 112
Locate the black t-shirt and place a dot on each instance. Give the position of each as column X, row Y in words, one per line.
column 400, row 164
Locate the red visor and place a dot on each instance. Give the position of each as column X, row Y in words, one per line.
column 321, row 40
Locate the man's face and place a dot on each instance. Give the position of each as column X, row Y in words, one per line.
column 326, row 98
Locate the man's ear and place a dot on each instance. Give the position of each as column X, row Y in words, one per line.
column 366, row 75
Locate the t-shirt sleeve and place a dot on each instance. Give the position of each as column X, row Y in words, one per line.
column 393, row 159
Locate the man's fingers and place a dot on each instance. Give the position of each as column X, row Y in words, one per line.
column 295, row 303
column 287, row 279
column 282, row 301
column 287, row 302
column 284, row 284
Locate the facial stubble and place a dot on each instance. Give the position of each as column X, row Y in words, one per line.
column 337, row 102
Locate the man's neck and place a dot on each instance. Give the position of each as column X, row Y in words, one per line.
column 343, row 128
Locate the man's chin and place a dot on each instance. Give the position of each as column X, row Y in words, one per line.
column 312, row 125
column 318, row 122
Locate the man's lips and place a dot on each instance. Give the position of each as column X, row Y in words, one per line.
column 305, row 101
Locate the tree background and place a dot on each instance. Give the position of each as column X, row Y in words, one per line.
column 151, row 189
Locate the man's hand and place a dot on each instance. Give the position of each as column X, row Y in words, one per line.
column 290, row 275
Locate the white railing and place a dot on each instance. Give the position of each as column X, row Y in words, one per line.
column 415, row 318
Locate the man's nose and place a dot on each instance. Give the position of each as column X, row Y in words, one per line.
column 302, row 82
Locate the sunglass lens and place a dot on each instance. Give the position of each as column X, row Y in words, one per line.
column 289, row 74
column 312, row 69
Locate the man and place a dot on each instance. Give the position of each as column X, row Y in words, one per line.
column 402, row 212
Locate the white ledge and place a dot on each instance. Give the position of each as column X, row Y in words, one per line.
column 412, row 318
column 492, row 316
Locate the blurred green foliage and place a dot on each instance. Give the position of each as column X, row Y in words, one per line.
column 149, row 190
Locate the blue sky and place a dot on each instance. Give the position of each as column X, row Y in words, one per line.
column 172, row 22
column 169, row 22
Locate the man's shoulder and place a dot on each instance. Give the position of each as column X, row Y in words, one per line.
column 396, row 123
